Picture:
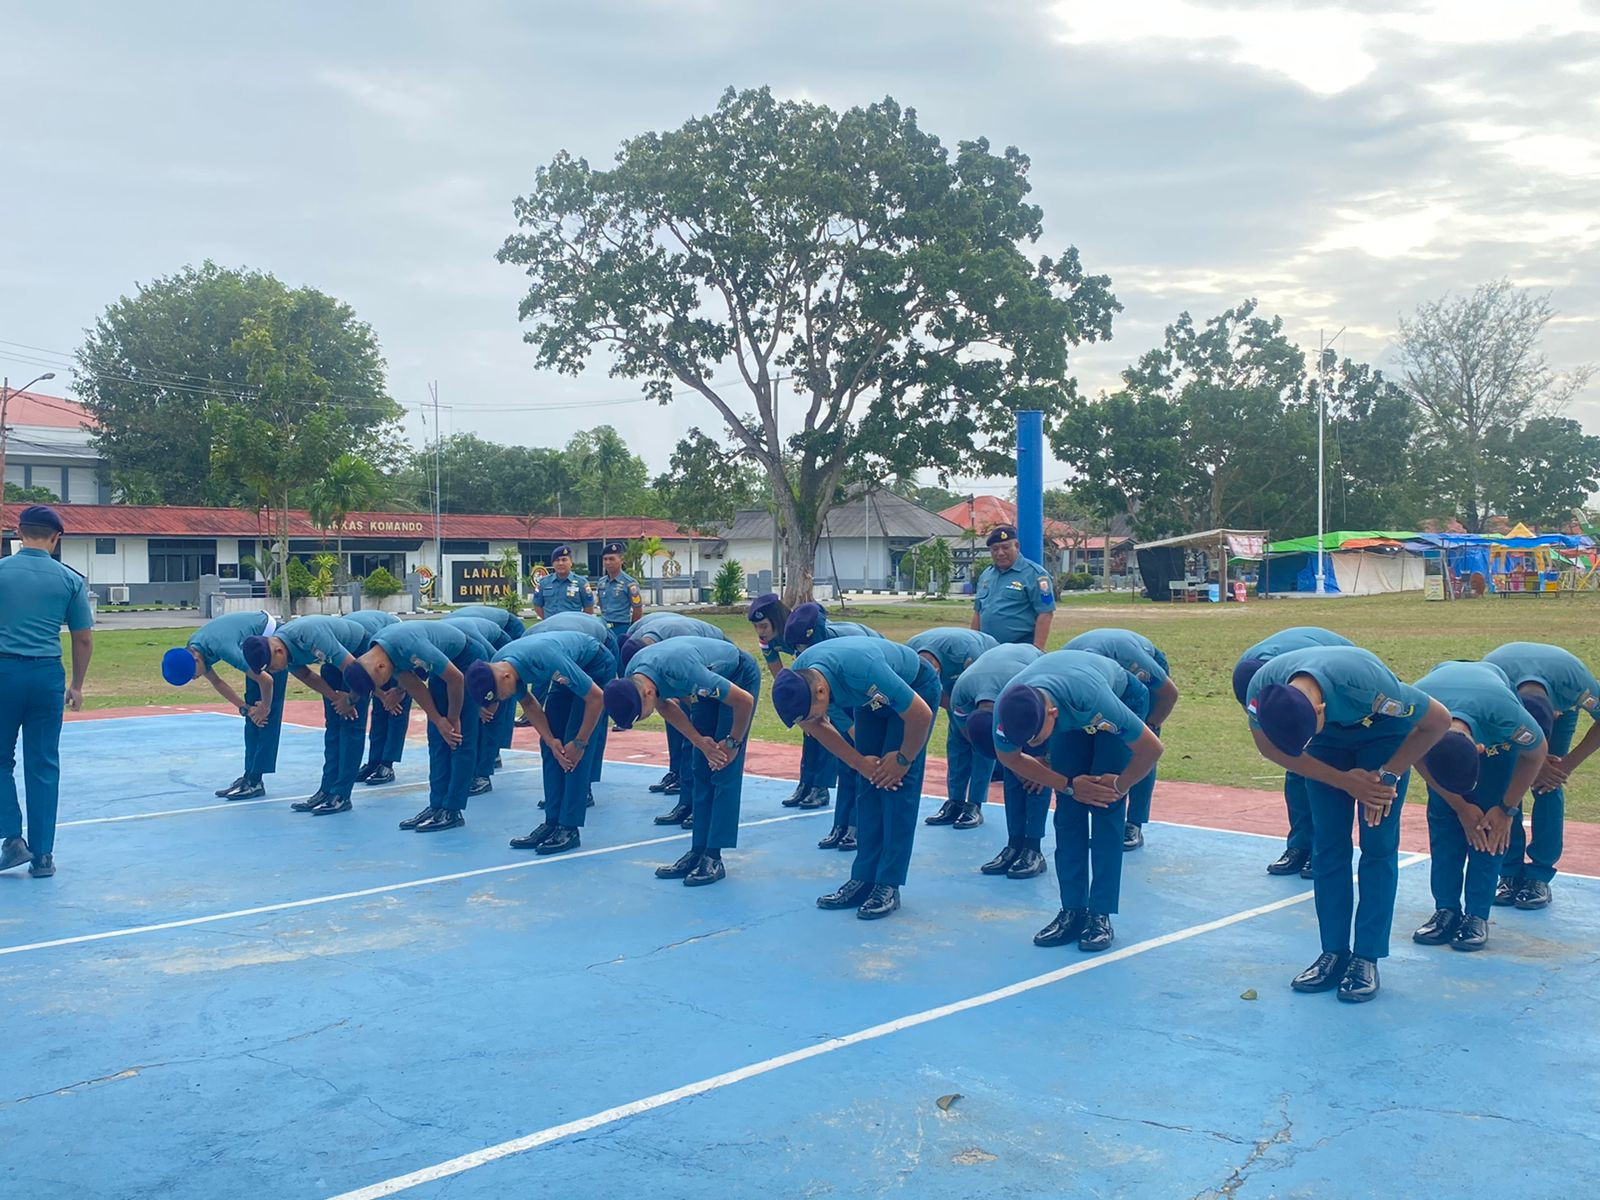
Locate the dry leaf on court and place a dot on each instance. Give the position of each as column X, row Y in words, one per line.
column 944, row 1102
column 1248, row 994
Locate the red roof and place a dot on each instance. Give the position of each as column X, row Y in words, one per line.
column 53, row 412
column 985, row 512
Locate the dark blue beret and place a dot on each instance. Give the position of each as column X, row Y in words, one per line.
column 614, row 548
column 980, row 732
column 560, row 552
column 1243, row 674
column 623, row 704
column 1001, row 533
column 1453, row 763
column 42, row 516
column 1019, row 716
column 791, row 696
column 1287, row 717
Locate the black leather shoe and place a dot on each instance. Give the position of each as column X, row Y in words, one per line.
column 816, row 798
column 480, row 785
column 1360, row 982
column 563, row 839
column 1067, row 927
column 680, row 868
column 880, row 902
column 332, row 805
column 13, row 853
column 1001, row 863
column 792, row 800
column 43, row 866
column 443, row 818
column 530, row 841
column 1097, row 933
column 310, row 802
column 1132, row 836
column 672, row 785
column 541, row 803
column 383, row 774
column 848, row 842
column 232, row 787
column 1471, row 934
column 1290, row 862
column 852, row 895
column 831, row 841
column 588, row 800
column 709, row 870
column 947, row 814
column 250, row 791
column 1505, row 892
column 366, row 772
column 688, row 822
column 412, row 822
column 1323, row 975
column 1028, row 864
column 1306, row 872
column 499, row 764
column 1439, row 928
column 675, row 817
column 971, row 816
column 1534, row 893
column 662, row 784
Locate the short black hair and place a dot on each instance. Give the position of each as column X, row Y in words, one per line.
column 36, row 533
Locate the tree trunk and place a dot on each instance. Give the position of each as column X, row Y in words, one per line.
column 283, row 557
column 800, row 562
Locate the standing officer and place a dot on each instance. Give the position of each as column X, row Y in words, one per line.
column 1015, row 599
column 37, row 597
column 617, row 591
column 562, row 591
column 1570, row 687
column 972, row 702
column 1087, row 714
column 222, row 639
column 893, row 693
column 950, row 652
column 1477, row 775
column 391, row 713
column 1139, row 656
column 1296, row 855
column 496, row 614
column 721, row 682
column 1337, row 717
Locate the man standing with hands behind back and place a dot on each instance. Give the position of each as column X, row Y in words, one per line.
column 1015, row 600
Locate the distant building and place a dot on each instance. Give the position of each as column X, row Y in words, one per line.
column 50, row 444
column 1068, row 546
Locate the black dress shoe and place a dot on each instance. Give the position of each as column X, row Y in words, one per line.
column 662, row 784
column 563, row 839
column 680, row 868
column 852, row 895
column 1097, row 933
column 1028, row 864
column 232, row 787
column 532, row 840
column 671, row 785
column 816, row 798
column 1505, row 892
column 848, row 841
column 675, row 817
column 310, row 802
column 1471, row 934
column 831, row 841
column 1067, row 927
column 1360, row 982
column 331, row 805
column 383, row 774
column 1306, row 872
column 880, row 902
column 792, row 800
column 1534, row 893
column 1001, row 863
column 1132, row 836
column 250, row 791
column 1290, row 862
column 541, row 803
column 13, row 853
column 366, row 772
column 588, row 800
column 412, row 822
column 1323, row 975
column 947, row 814
column 443, row 818
column 480, row 785
column 1439, row 928
column 498, row 764
column 688, row 822
column 709, row 870
column 43, row 866
column 971, row 816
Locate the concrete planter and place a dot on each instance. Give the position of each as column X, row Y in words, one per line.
column 331, row 606
column 392, row 604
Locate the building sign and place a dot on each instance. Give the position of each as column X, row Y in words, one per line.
column 477, row 580
column 398, row 524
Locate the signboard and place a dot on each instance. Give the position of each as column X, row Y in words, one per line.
column 1433, row 587
column 395, row 524
column 477, row 581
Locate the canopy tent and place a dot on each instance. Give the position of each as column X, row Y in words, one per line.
column 1354, row 563
column 1519, row 561
column 1162, row 562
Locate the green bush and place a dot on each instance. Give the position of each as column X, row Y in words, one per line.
column 300, row 580
column 1078, row 581
column 381, row 584
column 728, row 587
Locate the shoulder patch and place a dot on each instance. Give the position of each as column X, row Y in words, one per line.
column 1589, row 701
column 1382, row 706
column 1044, row 584
column 1525, row 736
column 1099, row 724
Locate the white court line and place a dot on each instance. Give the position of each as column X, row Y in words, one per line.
column 609, row 1116
column 380, row 890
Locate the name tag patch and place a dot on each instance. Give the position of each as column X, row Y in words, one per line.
column 1099, row 724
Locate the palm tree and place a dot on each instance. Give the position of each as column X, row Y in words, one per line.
column 652, row 549
column 350, row 485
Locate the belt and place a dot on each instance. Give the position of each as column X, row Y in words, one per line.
column 30, row 657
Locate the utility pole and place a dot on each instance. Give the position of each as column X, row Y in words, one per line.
column 438, row 497
column 1323, row 347
column 5, row 400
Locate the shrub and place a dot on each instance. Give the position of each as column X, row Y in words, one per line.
column 1078, row 581
column 728, row 586
column 380, row 584
column 300, row 580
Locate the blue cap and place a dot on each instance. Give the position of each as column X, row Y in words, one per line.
column 806, row 626
column 41, row 515
column 768, row 608
column 1541, row 710
column 1001, row 533
column 1019, row 716
column 356, row 678
column 614, row 548
column 791, row 696
column 560, row 552
column 1243, row 674
column 177, row 666
column 1287, row 717
column 1453, row 763
column 623, row 703
column 257, row 652
column 630, row 646
column 481, row 684
column 980, row 732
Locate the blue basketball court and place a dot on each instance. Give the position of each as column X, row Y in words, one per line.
column 217, row 1000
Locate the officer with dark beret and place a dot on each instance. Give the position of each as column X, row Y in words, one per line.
column 38, row 595
column 617, row 592
column 1015, row 599
column 562, row 591
column 950, row 652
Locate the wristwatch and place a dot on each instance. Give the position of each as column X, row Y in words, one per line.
column 1388, row 778
column 581, row 743
column 1511, row 810
column 901, row 759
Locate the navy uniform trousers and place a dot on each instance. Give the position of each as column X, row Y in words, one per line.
column 1455, row 868
column 818, row 767
column 886, row 821
column 451, row 770
column 1088, row 839
column 1298, row 803
column 386, row 741
column 493, row 737
column 1332, row 813
column 849, row 783
column 968, row 773
column 261, row 741
column 716, row 795
column 342, row 740
column 679, row 761
column 32, row 698
column 1141, row 793
column 1536, row 858
column 566, row 793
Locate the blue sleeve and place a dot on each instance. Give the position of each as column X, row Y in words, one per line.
column 434, row 660
column 79, row 617
column 573, row 677
column 896, row 691
column 1128, row 727
column 704, row 683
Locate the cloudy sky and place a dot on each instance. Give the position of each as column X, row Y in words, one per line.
column 1342, row 161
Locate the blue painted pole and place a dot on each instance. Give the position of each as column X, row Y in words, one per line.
column 1030, row 484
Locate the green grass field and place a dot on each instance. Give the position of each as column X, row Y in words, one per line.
column 1206, row 738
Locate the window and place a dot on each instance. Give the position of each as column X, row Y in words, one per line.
column 362, row 565
column 105, row 545
column 182, row 560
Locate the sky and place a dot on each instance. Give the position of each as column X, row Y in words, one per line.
column 1340, row 161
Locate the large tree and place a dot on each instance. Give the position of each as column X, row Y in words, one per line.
column 1378, row 474
column 706, row 483
column 1545, row 471
column 848, row 258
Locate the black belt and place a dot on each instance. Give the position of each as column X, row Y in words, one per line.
column 31, row 657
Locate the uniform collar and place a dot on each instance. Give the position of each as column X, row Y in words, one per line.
column 34, row 550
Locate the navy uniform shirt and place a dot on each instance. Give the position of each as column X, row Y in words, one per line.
column 956, row 649
column 1357, row 689
column 493, row 613
column 221, row 639
column 1287, row 641
column 670, row 625
column 864, row 672
column 557, row 595
column 493, row 634
column 372, row 620
column 617, row 597
column 770, row 651
column 1087, row 690
column 323, row 640
column 573, row 622
column 1569, row 684
column 555, row 659
column 430, row 646
column 37, row 597
column 1132, row 651
column 1008, row 603
column 988, row 676
column 689, row 668
column 1479, row 694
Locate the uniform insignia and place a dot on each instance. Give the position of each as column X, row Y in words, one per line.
column 875, row 698
column 1015, row 585
column 1140, row 675
column 1044, row 584
column 572, row 589
column 559, row 679
column 1524, row 736
column 1251, row 708
column 1588, row 701
column 710, row 693
column 1382, row 706
column 418, row 664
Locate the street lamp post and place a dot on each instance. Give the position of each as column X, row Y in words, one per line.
column 1323, row 349
column 6, row 392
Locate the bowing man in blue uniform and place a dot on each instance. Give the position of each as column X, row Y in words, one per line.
column 951, row 651
column 720, row 684
column 562, row 591
column 390, row 718
column 972, row 702
column 37, row 597
column 1337, row 717
column 1015, row 599
column 222, row 640
column 617, row 592
column 1477, row 775
column 647, row 631
column 503, row 618
column 893, row 693
column 590, row 625
column 1296, row 856
column 496, row 731
column 1086, row 713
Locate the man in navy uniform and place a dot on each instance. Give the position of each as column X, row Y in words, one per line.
column 972, row 702
column 37, row 597
column 1015, row 599
column 222, row 639
column 1296, row 856
column 391, row 713
column 495, row 734
column 617, row 591
column 647, row 631
column 1337, row 717
column 496, row 614
column 562, row 591
column 951, row 651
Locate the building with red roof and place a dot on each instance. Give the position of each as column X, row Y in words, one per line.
column 50, row 445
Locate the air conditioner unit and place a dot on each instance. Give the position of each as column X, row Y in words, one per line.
column 117, row 594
